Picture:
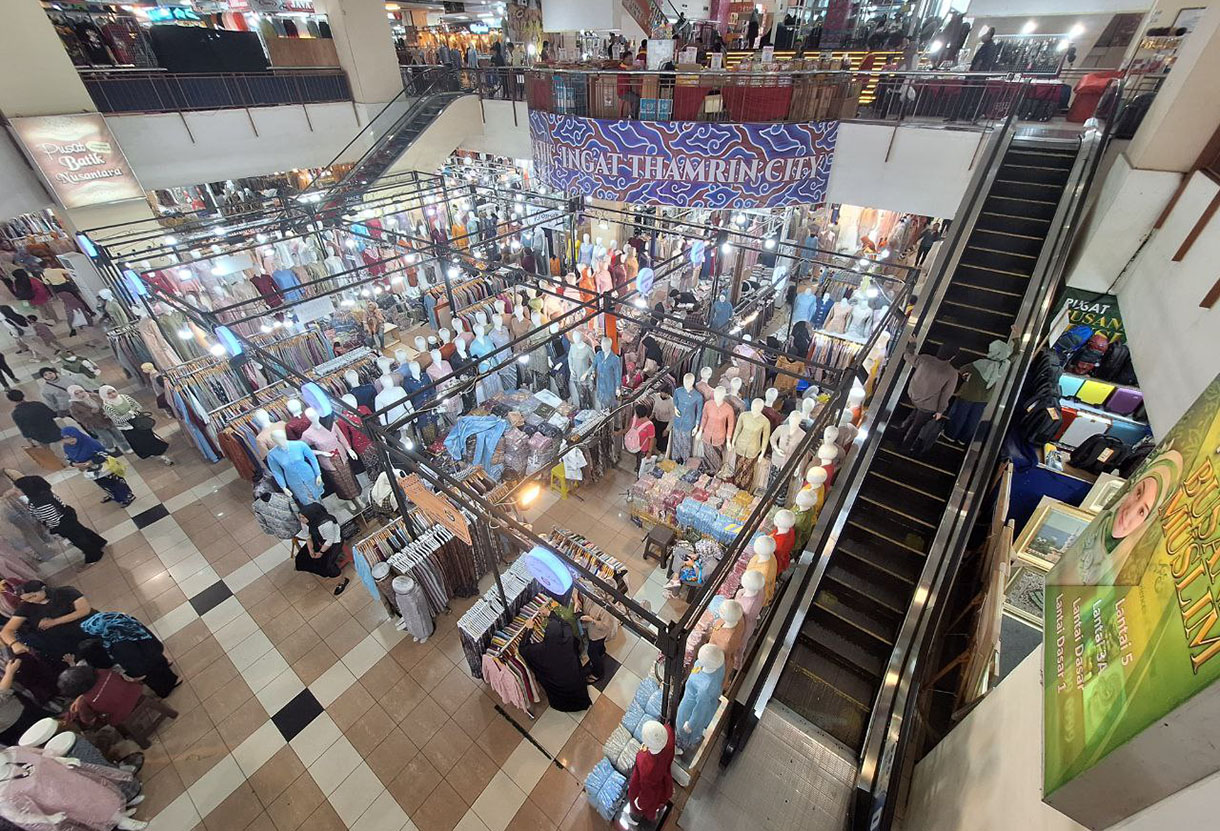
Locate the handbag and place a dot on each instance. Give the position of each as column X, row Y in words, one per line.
column 143, row 421
column 928, row 435
column 79, row 319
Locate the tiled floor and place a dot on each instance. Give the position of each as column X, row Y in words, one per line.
column 302, row 710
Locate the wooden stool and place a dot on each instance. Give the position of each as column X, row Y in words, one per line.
column 657, row 543
column 559, row 482
column 145, row 717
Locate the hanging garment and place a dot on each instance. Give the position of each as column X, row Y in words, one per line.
column 412, row 604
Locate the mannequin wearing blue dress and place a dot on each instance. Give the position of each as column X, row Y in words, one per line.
column 608, row 370
column 701, row 697
column 295, row 467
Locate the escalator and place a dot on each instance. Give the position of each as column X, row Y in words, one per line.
column 840, row 655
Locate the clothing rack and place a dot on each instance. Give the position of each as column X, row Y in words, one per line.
column 579, row 549
column 488, row 614
column 301, row 351
column 393, row 544
column 502, row 666
column 129, row 349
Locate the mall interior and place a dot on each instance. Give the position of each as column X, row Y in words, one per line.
column 587, row 414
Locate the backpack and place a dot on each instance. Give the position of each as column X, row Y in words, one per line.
column 1090, row 355
column 633, row 440
column 1071, row 340
column 1099, row 454
column 1041, row 419
column 1112, row 362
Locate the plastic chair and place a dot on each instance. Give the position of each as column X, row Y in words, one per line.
column 559, row 482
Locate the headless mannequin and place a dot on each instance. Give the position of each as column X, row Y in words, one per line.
column 701, row 697
column 764, row 561
column 265, row 426
column 651, row 784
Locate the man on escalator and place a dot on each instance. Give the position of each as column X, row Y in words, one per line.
column 933, row 380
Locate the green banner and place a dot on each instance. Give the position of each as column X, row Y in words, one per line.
column 1131, row 615
column 1097, row 311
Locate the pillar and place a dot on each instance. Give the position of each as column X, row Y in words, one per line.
column 1186, row 110
column 36, row 75
column 365, row 44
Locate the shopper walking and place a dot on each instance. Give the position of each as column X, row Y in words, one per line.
column 54, row 390
column 33, row 291
column 323, row 549
column 929, row 237
column 136, row 425
column 932, row 383
column 85, row 408
column 133, row 647
column 45, row 334
column 18, row 524
column 599, row 626
column 60, row 519
column 86, row 453
column 981, row 378
column 36, row 421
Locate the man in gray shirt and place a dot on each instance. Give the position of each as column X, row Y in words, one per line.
column 930, row 389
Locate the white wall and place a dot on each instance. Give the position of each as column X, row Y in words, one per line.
column 1175, row 344
column 499, row 135
column 1033, row 8
column 927, row 171
column 987, row 773
column 574, row 15
column 21, row 190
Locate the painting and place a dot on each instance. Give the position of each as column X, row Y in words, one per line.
column 1050, row 531
column 1025, row 593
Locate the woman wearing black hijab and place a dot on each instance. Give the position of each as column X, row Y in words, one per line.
column 323, row 548
column 801, row 341
column 555, row 662
column 60, row 519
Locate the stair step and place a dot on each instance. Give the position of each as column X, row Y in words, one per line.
column 864, row 589
column 872, row 630
column 818, row 702
column 964, row 294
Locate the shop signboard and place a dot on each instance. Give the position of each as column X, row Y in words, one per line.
column 436, row 507
column 1132, row 622
column 682, row 163
column 79, row 158
column 1099, row 312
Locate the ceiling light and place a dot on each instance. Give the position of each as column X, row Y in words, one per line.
column 1028, row 28
column 1076, row 31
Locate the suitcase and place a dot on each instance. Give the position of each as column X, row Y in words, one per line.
column 44, row 457
column 1094, row 392
column 1125, row 401
column 1069, row 385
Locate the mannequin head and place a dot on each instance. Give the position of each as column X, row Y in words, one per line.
column 279, row 438
column 735, row 387
column 804, row 501
column 688, row 381
column 830, row 435
column 388, row 381
column 312, row 415
column 414, row 368
column 705, row 374
column 460, row 347
column 793, row 421
column 536, row 319
column 435, row 354
column 295, row 406
column 480, row 319
column 39, row 733
column 497, row 322
column 816, row 477
column 350, row 400
column 584, row 238
column 771, row 396
column 828, row 453
column 784, row 520
column 446, row 336
column 807, row 405
column 731, row 613
column 710, row 656
column 606, row 346
column 752, row 582
column 553, row 329
column 756, row 406
column 262, row 418
column 421, row 345
column 578, row 339
column 655, row 736
column 401, row 357
column 764, row 549
column 480, row 331
column 718, row 395
column 856, row 397
column 458, row 327
column 384, row 364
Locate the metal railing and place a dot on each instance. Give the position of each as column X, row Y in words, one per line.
column 155, row 91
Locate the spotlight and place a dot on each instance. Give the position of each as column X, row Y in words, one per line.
column 529, row 494
column 218, row 350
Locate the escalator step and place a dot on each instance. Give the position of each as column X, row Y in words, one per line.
column 997, row 301
column 1019, row 169
column 877, row 528
column 1029, row 226
column 876, row 633
column 1032, row 208
column 999, row 259
column 899, row 573
column 921, row 506
column 1030, row 191
column 913, row 473
column 990, row 278
column 939, row 460
column 1042, row 158
column 812, row 657
column 1004, row 240
column 818, row 701
column 852, row 645
column 978, row 318
column 868, row 593
column 967, row 340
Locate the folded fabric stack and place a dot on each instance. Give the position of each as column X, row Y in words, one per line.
column 542, row 448
column 516, row 451
column 621, row 748
column 607, row 789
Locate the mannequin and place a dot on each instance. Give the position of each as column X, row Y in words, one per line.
column 785, row 538
column 735, row 400
column 700, row 697
column 608, row 372
column 806, row 515
column 460, row 336
column 520, row 324
column 500, row 338
column 558, row 377
column 536, row 363
column 815, row 485
column 295, row 468
column 688, row 412
column 585, row 254
column 770, row 397
column 651, row 784
column 580, row 369
column 727, row 632
column 704, row 386
column 334, row 453
column 365, row 393
column 401, row 358
column 860, row 323
column 391, row 394
column 298, row 423
column 717, row 424
column 855, row 404
column 840, row 315
column 262, row 420
column 65, row 794
column 750, row 437
column 447, row 347
column 764, row 561
column 438, row 371
column 786, row 438
column 828, row 455
column 750, row 598
column 490, row 386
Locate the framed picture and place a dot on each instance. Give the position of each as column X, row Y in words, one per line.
column 1024, row 594
column 1103, row 493
column 1054, row 526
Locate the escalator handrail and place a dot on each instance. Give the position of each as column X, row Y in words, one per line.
column 761, row 678
column 893, row 709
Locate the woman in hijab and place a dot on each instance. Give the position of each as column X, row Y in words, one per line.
column 86, row 410
column 60, row 519
column 323, row 548
column 981, row 377
column 86, row 453
column 17, row 325
column 133, row 647
column 125, row 414
column 555, row 661
column 801, row 341
column 33, row 291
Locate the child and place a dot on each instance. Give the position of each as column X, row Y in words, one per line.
column 43, row 330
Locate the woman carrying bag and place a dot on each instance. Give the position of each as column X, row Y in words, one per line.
column 60, row 519
column 134, row 423
column 85, row 452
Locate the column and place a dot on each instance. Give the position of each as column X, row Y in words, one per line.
column 1186, row 111
column 365, row 44
column 36, row 75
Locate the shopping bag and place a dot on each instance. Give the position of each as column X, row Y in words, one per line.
column 44, row 457
column 79, row 319
column 928, row 435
